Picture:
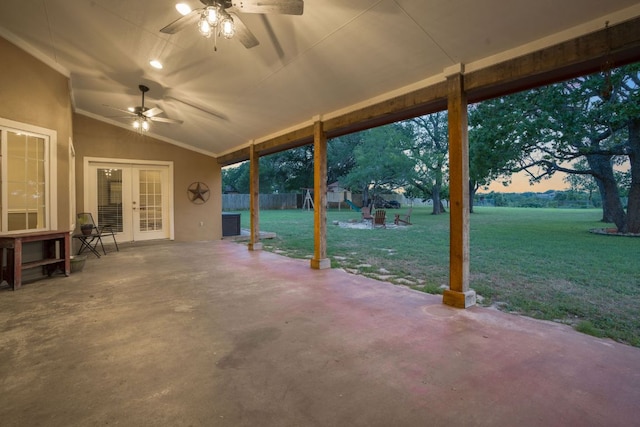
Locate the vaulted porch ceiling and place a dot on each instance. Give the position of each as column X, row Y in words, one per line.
column 335, row 58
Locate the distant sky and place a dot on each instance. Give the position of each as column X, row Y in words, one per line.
column 520, row 184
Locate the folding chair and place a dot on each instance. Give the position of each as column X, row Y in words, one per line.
column 91, row 234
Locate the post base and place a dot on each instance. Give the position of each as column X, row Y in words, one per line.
column 255, row 246
column 321, row 264
column 459, row 299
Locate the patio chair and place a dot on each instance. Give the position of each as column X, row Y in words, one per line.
column 366, row 214
column 380, row 218
column 92, row 234
column 403, row 218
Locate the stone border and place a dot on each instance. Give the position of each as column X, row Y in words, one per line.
column 612, row 232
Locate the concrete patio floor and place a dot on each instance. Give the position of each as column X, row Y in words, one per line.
column 211, row 334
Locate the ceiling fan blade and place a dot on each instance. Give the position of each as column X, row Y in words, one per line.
column 243, row 33
column 182, row 22
column 165, row 120
column 120, row 109
column 152, row 112
column 119, row 117
column 286, row 7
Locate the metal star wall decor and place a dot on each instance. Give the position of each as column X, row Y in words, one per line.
column 198, row 192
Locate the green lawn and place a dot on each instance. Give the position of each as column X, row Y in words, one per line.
column 541, row 263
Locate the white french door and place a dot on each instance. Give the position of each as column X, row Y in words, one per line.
column 133, row 198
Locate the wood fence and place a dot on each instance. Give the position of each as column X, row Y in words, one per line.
column 236, row 202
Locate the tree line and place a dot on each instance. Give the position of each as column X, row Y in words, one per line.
column 587, row 128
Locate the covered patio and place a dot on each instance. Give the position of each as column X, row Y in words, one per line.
column 209, row 333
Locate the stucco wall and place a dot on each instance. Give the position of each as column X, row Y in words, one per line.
column 93, row 138
column 31, row 92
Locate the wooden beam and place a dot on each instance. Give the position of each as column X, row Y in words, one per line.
column 422, row 101
column 583, row 55
column 320, row 260
column 238, row 156
column 416, row 103
column 293, row 139
column 254, row 199
column 458, row 294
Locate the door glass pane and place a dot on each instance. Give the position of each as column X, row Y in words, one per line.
column 26, row 201
column 150, row 198
column 110, row 198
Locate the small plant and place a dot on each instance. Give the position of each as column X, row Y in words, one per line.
column 586, row 327
column 85, row 227
column 430, row 288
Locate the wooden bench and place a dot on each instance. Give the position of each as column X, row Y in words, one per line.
column 55, row 250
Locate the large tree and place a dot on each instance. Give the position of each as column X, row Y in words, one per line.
column 381, row 162
column 288, row 171
column 494, row 149
column 595, row 118
column 582, row 183
column 236, row 178
column 429, row 151
column 291, row 170
column 341, row 157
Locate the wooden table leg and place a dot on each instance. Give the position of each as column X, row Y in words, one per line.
column 65, row 251
column 3, row 251
column 16, row 264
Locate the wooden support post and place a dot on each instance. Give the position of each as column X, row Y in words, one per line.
column 458, row 295
column 320, row 260
column 254, row 199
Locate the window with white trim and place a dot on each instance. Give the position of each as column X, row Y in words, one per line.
column 25, row 181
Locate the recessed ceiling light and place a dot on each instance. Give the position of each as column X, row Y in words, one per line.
column 131, row 109
column 156, row 64
column 183, row 8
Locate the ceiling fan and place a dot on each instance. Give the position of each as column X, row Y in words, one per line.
column 218, row 17
column 144, row 115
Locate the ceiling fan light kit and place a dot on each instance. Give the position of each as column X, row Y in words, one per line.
column 220, row 17
column 141, row 124
column 143, row 116
column 214, row 18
